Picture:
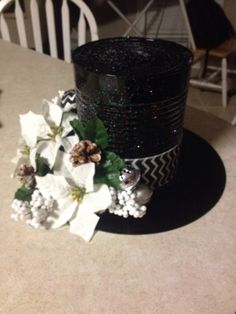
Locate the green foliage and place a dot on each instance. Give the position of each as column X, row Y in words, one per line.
column 113, row 162
column 24, row 194
column 93, row 130
column 109, row 170
column 42, row 166
column 78, row 127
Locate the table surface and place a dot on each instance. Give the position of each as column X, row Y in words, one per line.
column 191, row 269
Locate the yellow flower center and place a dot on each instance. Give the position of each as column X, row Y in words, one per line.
column 25, row 150
column 77, row 194
column 56, row 130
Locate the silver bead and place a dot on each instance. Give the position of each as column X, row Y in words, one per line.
column 129, row 178
column 143, row 194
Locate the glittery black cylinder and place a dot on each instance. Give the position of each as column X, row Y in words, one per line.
column 138, row 87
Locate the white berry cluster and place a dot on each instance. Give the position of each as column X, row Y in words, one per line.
column 35, row 212
column 124, row 204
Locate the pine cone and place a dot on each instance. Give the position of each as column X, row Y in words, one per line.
column 84, row 152
column 26, row 175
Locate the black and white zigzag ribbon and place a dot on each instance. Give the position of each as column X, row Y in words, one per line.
column 157, row 170
column 68, row 100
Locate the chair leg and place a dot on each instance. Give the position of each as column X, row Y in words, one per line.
column 233, row 122
column 224, row 81
column 141, row 14
column 124, row 18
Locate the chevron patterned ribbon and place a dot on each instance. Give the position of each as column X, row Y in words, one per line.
column 157, row 170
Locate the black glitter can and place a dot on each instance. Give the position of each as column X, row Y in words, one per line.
column 138, row 88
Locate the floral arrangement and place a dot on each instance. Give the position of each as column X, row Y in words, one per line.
column 67, row 174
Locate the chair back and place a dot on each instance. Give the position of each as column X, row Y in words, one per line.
column 86, row 21
column 183, row 8
column 207, row 24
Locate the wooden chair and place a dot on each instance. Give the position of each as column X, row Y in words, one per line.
column 220, row 53
column 86, row 18
column 131, row 25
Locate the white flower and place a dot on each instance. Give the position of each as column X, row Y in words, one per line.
column 68, row 105
column 57, row 99
column 78, row 199
column 46, row 133
column 23, row 156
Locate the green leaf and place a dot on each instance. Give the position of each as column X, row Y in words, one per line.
column 109, row 171
column 100, row 178
column 113, row 163
column 96, row 132
column 92, row 130
column 79, row 128
column 42, row 166
column 111, row 179
column 24, row 194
